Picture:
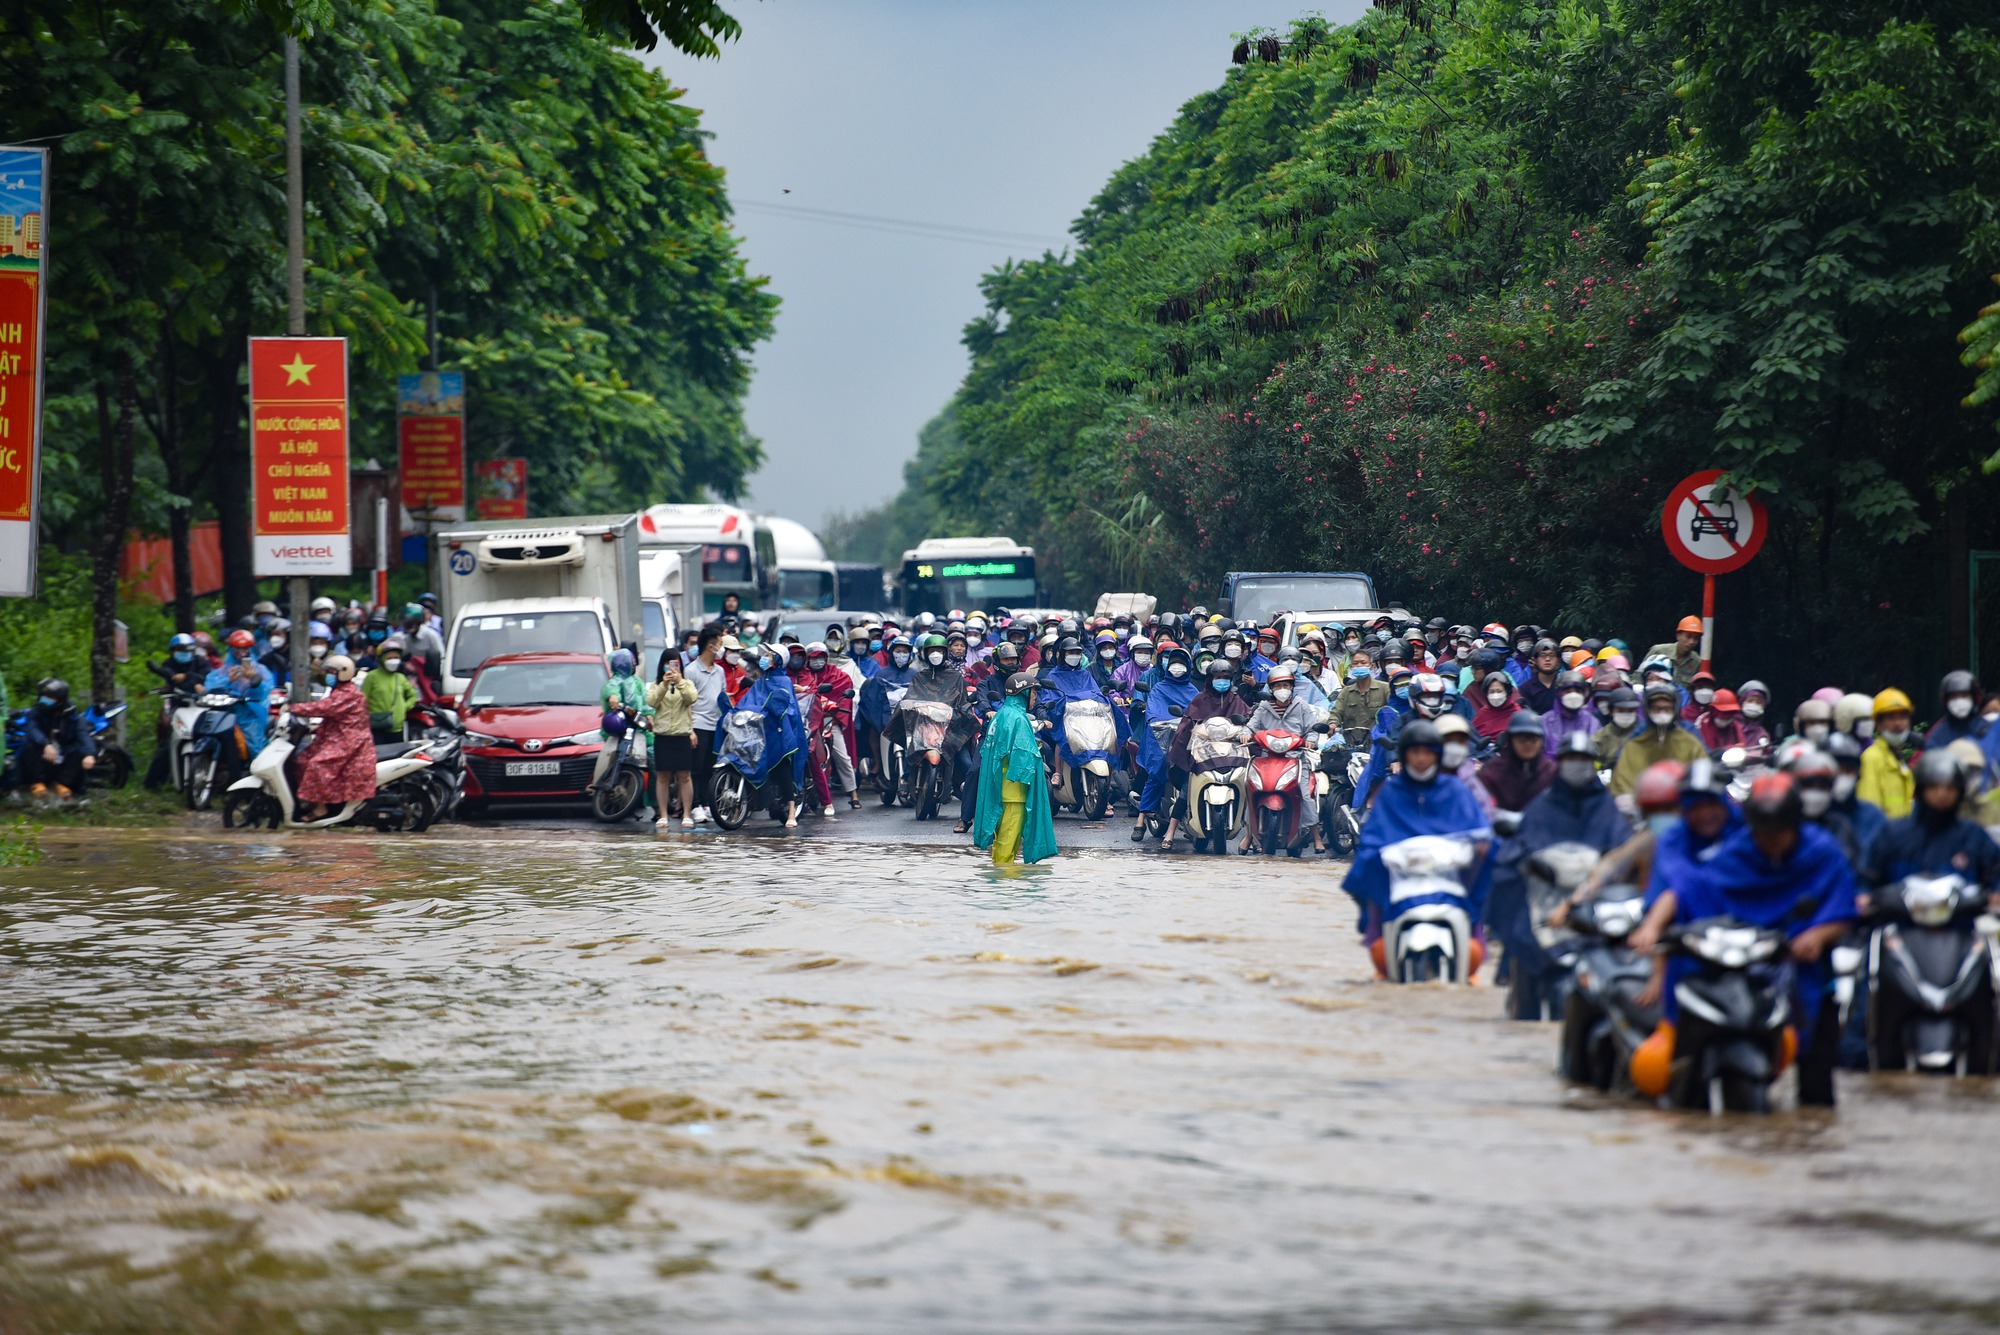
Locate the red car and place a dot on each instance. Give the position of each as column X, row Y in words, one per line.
column 531, row 727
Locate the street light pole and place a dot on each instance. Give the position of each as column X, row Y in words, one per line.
column 295, row 284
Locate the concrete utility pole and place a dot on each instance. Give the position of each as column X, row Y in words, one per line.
column 300, row 588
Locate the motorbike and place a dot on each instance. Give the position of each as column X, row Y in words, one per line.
column 445, row 737
column 1174, row 799
column 888, row 760
column 264, row 797
column 1735, row 1009
column 1280, row 769
column 1427, row 929
column 628, row 780
column 212, row 748
column 1340, row 769
column 739, row 751
column 1930, row 965
column 1551, row 876
column 926, row 723
column 1090, row 733
column 1219, row 785
column 1603, row 1022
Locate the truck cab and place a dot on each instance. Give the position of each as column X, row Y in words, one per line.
column 1315, row 596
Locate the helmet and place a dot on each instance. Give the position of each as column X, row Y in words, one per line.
column 1523, row 633
column 1417, row 732
column 622, row 661
column 1293, row 655
column 1571, row 680
column 1851, row 709
column 1285, row 672
column 1580, row 658
column 1773, row 803
column 614, row 723
column 1659, row 785
column 1399, row 673
column 1020, row 683
column 55, row 688
column 276, row 624
column 1971, row 762
column 1704, row 778
column 1939, row 766
column 180, row 642
column 1812, row 711
column 1958, row 683
column 340, row 665
column 395, row 642
column 1487, row 682
column 1008, row 654
column 1577, row 744
column 1724, row 702
column 242, row 639
column 1069, row 643
column 1545, row 645
column 931, row 641
column 1524, row 723
column 1753, row 687
column 953, row 634
column 1435, row 623
column 1622, row 696
column 1069, row 626
column 1451, row 724
column 1494, row 630
column 1138, row 642
column 1271, row 633
column 203, row 640
column 1845, row 751
column 1427, row 694
column 1688, row 626
column 323, row 604
column 1209, row 634
column 899, row 642
column 1660, row 690
column 1891, row 701
column 817, row 649
column 1104, row 637
column 263, row 607
column 1805, row 761
column 1656, row 664
column 1394, row 652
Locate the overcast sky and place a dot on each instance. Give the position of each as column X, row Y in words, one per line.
column 982, row 116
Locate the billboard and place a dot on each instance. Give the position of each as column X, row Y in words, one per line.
column 23, row 304
column 298, row 456
column 502, row 488
column 430, row 435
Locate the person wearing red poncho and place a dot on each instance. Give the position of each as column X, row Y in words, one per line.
column 339, row 766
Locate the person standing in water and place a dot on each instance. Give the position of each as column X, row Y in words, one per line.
column 1013, row 809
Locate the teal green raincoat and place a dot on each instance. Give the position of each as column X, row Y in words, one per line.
column 1010, row 751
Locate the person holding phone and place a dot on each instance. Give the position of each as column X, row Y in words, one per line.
column 671, row 697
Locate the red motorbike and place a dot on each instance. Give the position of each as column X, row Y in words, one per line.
column 1280, row 767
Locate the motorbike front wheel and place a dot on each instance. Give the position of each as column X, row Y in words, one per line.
column 730, row 802
column 114, row 766
column 1096, row 796
column 248, row 810
column 202, row 780
column 619, row 796
column 923, row 791
column 1273, row 833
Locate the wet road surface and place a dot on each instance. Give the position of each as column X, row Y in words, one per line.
column 534, row 1075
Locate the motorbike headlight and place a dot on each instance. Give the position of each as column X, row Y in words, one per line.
column 580, row 739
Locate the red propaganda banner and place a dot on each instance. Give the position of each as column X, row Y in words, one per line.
column 23, row 207
column 298, row 456
column 430, row 433
column 503, row 488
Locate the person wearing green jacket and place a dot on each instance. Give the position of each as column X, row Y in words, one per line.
column 1013, row 813
column 389, row 693
column 623, row 694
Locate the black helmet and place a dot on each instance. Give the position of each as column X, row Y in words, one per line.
column 1418, row 732
column 1521, row 633
column 1395, row 651
column 1939, row 766
column 1568, row 678
column 1169, row 621
column 55, row 688
column 1291, row 655
column 1198, row 613
column 1958, row 683
column 1007, row 653
column 1705, row 778
column 1069, row 627
column 1436, row 623
column 1020, row 683
column 1068, row 643
column 1524, row 723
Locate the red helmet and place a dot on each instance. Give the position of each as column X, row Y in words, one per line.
column 242, row 639
column 1659, row 785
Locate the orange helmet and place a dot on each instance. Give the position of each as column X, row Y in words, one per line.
column 1689, row 625
column 242, row 639
column 1659, row 786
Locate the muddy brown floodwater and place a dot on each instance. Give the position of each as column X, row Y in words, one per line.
column 553, row 1079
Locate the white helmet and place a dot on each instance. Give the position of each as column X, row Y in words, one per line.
column 340, row 665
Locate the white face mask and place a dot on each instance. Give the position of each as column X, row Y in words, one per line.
column 1753, row 709
column 1577, row 773
column 1455, row 754
column 935, row 658
column 1281, row 694
column 1351, row 645
column 318, row 651
column 734, row 658
column 1816, row 733
column 392, row 665
column 1072, row 660
column 1496, row 698
column 1143, row 657
column 1814, row 802
column 1959, row 706
column 1177, row 670
column 1572, row 700
column 1895, row 736
column 1843, row 786
column 1424, row 775
column 1864, row 729
column 1625, row 718
column 278, row 642
column 1232, row 651
column 1703, row 696
column 1662, row 718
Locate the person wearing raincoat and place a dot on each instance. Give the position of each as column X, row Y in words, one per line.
column 1176, row 689
column 1071, row 679
column 339, row 764
column 783, row 766
column 1012, row 814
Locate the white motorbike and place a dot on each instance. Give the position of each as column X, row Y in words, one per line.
column 1218, row 798
column 402, row 800
column 1088, row 730
column 1427, row 931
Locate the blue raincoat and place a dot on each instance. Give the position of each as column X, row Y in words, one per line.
column 873, row 702
column 1381, row 749
column 1560, row 815
column 1077, row 683
column 1405, row 810
column 774, row 696
column 253, row 699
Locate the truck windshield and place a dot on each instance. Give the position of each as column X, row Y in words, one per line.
column 727, row 563
column 805, row 590
column 508, row 685
column 1262, row 598
column 478, row 638
column 971, row 584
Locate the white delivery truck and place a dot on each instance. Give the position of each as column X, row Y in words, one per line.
column 807, row 580
column 670, row 593
column 530, row 585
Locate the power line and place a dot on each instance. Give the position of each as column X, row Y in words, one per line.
column 899, row 226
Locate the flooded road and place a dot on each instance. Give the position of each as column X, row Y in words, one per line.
column 543, row 1077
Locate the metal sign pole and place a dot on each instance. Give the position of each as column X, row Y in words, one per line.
column 1707, row 619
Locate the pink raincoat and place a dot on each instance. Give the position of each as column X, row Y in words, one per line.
column 340, row 763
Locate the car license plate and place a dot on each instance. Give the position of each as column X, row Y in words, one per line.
column 526, row 769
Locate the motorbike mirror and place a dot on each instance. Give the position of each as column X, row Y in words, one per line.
column 1175, row 710
column 1320, row 727
column 447, row 702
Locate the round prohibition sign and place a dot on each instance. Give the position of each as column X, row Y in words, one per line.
column 1712, row 529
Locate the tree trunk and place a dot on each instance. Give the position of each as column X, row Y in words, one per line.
column 229, row 475
column 116, row 440
column 180, row 514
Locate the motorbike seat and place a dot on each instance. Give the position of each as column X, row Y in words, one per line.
column 392, row 750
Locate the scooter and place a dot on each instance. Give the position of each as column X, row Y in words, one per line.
column 1931, row 969
column 1219, row 785
column 1603, row 1022
column 739, row 751
column 212, row 748
column 889, row 752
column 1538, row 989
column 1734, row 1011
column 1280, row 769
column 1173, row 800
column 627, row 780
column 1427, row 929
column 926, row 724
column 1090, row 734
column 263, row 798
column 1340, row 769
